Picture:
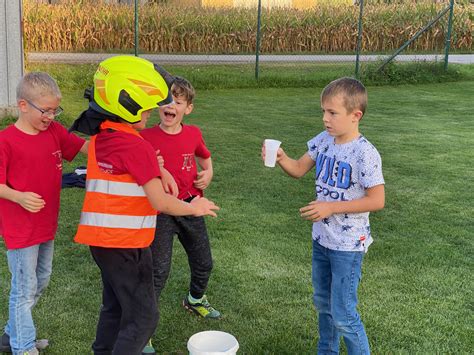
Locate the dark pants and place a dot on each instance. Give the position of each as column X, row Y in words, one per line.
column 192, row 234
column 129, row 313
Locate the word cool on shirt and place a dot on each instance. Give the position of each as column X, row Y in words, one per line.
column 340, row 170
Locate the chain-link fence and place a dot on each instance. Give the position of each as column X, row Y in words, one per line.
column 255, row 34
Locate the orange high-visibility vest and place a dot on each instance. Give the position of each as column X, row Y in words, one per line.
column 116, row 212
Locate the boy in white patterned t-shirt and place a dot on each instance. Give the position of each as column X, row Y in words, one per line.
column 349, row 185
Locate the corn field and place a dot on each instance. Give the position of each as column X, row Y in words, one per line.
column 84, row 27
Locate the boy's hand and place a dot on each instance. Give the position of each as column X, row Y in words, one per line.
column 168, row 182
column 316, row 211
column 280, row 153
column 161, row 161
column 204, row 207
column 203, row 180
column 31, row 201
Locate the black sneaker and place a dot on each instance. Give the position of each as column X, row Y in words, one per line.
column 5, row 344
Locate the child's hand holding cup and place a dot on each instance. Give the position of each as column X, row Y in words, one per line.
column 270, row 150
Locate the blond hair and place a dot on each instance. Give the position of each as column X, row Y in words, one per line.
column 37, row 84
column 352, row 91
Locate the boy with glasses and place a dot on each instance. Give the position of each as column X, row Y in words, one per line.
column 47, row 113
column 31, row 153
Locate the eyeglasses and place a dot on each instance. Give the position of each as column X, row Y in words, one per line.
column 50, row 114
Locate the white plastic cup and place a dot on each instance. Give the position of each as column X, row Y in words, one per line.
column 271, row 149
column 213, row 342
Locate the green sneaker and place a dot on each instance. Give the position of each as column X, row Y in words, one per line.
column 148, row 349
column 202, row 309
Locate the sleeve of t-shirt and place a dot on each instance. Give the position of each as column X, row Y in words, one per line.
column 141, row 162
column 371, row 171
column 69, row 142
column 201, row 149
column 313, row 145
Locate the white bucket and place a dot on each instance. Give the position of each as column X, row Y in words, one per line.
column 213, row 342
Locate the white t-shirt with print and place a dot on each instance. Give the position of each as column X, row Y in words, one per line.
column 343, row 173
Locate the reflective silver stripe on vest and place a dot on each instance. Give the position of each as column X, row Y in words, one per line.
column 117, row 221
column 115, row 188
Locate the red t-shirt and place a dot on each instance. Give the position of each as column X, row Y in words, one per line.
column 33, row 163
column 179, row 152
column 119, row 152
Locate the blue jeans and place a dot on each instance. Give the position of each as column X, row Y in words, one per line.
column 31, row 269
column 336, row 275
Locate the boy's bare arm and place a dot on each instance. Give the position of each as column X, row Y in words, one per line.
column 169, row 183
column 373, row 200
column 30, row 201
column 294, row 168
column 204, row 177
column 167, row 180
column 85, row 148
column 171, row 205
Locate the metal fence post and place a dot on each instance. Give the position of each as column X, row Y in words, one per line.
column 359, row 38
column 448, row 34
column 257, row 51
column 11, row 54
column 136, row 28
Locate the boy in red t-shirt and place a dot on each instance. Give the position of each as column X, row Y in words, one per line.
column 31, row 153
column 180, row 146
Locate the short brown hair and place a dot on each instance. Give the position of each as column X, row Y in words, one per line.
column 353, row 92
column 182, row 87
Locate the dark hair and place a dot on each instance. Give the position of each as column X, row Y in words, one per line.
column 352, row 90
column 182, row 87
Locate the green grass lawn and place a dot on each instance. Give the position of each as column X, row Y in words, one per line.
column 416, row 294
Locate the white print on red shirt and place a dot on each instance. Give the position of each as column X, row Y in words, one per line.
column 59, row 159
column 105, row 168
column 188, row 160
